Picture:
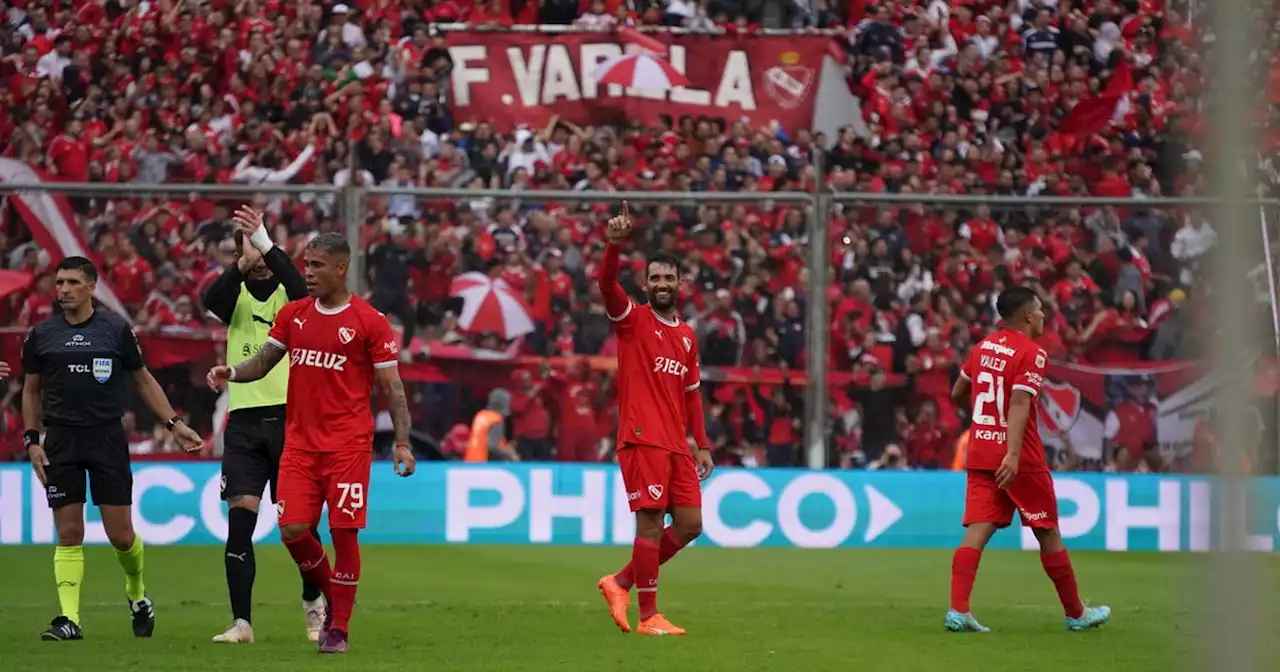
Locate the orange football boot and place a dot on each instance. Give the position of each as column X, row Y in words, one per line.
column 618, row 599
column 658, row 625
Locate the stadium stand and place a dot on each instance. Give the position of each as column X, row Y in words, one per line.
column 956, row 98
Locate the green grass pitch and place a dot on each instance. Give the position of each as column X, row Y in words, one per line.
column 473, row 608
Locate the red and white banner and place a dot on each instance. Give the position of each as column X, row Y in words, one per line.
column 52, row 223
column 1158, row 404
column 511, row 79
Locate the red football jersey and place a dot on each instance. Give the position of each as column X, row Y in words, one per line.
column 332, row 355
column 657, row 365
column 1004, row 362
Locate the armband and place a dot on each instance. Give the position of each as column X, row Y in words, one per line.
column 31, row 437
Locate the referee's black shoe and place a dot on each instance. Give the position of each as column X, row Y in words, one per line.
column 62, row 629
column 144, row 617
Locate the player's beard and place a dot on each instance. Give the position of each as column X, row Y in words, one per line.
column 662, row 299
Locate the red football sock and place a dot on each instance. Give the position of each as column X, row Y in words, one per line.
column 307, row 551
column 644, row 560
column 670, row 546
column 346, row 576
column 1058, row 567
column 964, row 570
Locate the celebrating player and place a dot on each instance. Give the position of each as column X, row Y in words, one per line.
column 338, row 346
column 246, row 297
column 1006, row 465
column 659, row 402
column 76, row 364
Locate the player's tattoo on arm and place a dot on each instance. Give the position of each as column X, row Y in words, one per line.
column 259, row 365
column 398, row 405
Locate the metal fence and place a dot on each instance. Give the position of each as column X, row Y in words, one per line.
column 815, row 218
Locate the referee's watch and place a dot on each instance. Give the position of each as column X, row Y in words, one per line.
column 172, row 422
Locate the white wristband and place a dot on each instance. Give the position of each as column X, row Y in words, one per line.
column 262, row 240
column 233, row 374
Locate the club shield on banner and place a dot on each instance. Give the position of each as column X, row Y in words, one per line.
column 510, row 79
column 1162, row 407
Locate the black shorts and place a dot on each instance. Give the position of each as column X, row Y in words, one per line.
column 252, row 444
column 100, row 452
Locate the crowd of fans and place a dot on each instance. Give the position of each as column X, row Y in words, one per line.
column 957, row 98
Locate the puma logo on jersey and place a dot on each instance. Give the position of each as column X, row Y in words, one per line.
column 669, row 366
column 317, row 359
column 299, row 322
column 263, row 320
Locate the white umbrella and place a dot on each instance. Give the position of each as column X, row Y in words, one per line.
column 490, row 306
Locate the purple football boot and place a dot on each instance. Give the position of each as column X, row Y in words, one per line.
column 333, row 641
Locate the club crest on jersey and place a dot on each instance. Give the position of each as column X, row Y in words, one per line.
column 280, row 508
column 346, row 335
column 101, row 369
column 688, row 345
column 655, row 491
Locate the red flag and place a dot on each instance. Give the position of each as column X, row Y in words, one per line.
column 1121, row 80
column 1091, row 115
column 645, row 42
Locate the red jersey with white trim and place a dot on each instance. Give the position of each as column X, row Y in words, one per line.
column 1004, row 362
column 332, row 357
column 657, row 365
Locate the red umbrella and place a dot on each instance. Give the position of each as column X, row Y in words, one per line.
column 640, row 71
column 490, row 306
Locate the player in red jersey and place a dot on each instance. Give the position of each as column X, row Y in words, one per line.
column 338, row 347
column 1006, row 468
column 659, row 403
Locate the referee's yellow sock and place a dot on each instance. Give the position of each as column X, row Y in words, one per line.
column 131, row 562
column 68, row 571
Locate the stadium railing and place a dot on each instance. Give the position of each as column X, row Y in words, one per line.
column 181, row 354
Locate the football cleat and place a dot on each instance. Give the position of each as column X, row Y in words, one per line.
column 335, row 641
column 62, row 629
column 239, row 632
column 144, row 617
column 314, row 613
column 958, row 622
column 618, row 599
column 1093, row 617
column 658, row 625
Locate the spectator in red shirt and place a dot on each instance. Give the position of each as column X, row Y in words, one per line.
column 531, row 418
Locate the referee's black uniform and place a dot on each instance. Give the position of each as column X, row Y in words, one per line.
column 84, row 369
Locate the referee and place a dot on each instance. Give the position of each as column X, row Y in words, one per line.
column 246, row 297
column 77, row 363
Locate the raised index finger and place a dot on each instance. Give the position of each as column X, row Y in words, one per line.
column 625, row 211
